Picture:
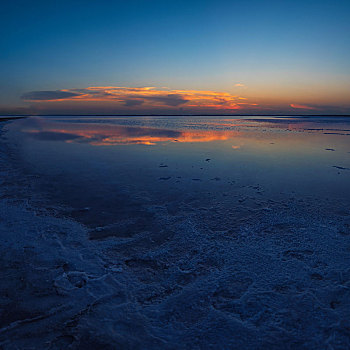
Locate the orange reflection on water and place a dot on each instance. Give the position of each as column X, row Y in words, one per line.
column 110, row 135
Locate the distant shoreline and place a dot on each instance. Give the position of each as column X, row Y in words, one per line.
column 5, row 116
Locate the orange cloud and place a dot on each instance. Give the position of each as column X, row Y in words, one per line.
column 301, row 106
column 141, row 97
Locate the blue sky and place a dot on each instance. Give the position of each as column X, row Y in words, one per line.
column 272, row 53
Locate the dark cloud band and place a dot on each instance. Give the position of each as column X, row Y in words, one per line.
column 48, row 95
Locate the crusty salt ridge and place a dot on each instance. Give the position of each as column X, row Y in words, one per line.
column 278, row 278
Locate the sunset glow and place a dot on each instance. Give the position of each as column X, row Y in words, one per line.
column 157, row 58
column 175, row 174
column 143, row 97
column 302, row 106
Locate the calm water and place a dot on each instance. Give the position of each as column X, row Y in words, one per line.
column 109, row 164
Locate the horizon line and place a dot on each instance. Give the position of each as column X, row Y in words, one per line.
column 174, row 115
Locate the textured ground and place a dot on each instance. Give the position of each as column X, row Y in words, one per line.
column 223, row 272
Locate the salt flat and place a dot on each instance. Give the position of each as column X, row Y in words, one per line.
column 245, row 245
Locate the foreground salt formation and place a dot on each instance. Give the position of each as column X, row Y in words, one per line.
column 256, row 275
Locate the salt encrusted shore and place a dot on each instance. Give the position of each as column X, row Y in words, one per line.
column 45, row 261
column 278, row 279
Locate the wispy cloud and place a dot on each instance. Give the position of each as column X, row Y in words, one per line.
column 297, row 106
column 153, row 100
column 49, row 95
column 140, row 97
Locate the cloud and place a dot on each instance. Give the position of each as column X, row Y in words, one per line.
column 133, row 102
column 239, row 85
column 301, row 106
column 48, row 95
column 170, row 100
column 135, row 98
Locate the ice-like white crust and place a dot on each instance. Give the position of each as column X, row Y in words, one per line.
column 266, row 275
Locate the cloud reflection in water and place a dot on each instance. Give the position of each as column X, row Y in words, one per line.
column 110, row 135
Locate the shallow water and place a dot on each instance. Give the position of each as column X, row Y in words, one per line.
column 202, row 232
column 306, row 156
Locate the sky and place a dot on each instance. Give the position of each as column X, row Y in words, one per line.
column 175, row 57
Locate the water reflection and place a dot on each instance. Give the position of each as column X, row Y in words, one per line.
column 111, row 135
column 279, row 154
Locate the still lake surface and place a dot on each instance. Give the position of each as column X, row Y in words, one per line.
column 115, row 165
column 304, row 155
column 107, row 169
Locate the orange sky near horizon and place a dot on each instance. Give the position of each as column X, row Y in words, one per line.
column 139, row 100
